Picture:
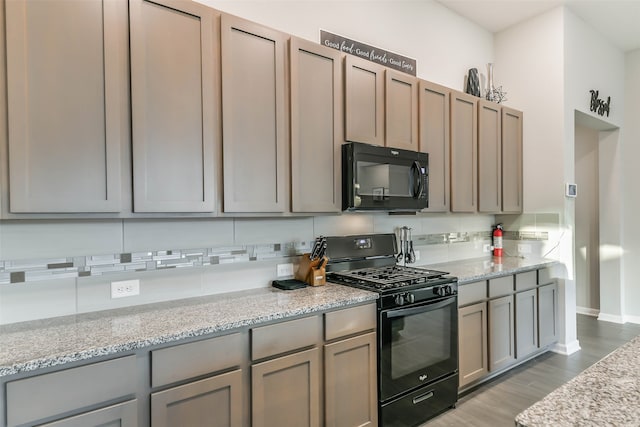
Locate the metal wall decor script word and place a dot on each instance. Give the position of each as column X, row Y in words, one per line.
column 598, row 105
column 373, row 54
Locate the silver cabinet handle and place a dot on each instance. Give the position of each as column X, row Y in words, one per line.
column 422, row 397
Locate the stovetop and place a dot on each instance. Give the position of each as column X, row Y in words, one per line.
column 388, row 278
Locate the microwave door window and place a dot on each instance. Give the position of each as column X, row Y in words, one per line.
column 381, row 181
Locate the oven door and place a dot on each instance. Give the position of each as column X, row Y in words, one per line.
column 418, row 345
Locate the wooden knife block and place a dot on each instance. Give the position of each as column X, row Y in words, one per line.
column 309, row 272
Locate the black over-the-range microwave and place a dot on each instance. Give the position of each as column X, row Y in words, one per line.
column 378, row 178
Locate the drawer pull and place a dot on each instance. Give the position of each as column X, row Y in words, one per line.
column 422, row 397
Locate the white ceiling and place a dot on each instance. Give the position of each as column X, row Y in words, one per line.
column 617, row 20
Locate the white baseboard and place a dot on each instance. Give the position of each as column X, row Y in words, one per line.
column 614, row 318
column 593, row 312
column 632, row 319
column 566, row 349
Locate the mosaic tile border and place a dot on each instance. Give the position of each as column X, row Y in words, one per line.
column 33, row 270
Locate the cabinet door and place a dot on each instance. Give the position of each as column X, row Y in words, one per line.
column 67, row 88
column 212, row 402
column 255, row 154
column 434, row 140
column 489, row 157
column 526, row 323
column 401, row 110
column 511, row 160
column 364, row 101
column 472, row 342
column 501, row 333
column 548, row 314
column 464, row 152
column 286, row 391
column 316, row 127
column 120, row 415
column 173, row 100
column 351, row 382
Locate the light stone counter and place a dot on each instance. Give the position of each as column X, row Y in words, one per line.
column 475, row 269
column 605, row 394
column 39, row 344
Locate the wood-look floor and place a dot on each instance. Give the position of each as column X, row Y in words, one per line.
column 496, row 403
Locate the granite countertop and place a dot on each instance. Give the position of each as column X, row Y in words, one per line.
column 475, row 269
column 605, row 394
column 39, row 344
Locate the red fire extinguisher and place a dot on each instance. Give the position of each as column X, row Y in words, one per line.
column 497, row 240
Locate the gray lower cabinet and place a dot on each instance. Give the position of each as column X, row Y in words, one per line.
column 317, row 127
column 350, row 373
column 254, row 123
column 175, row 117
column 501, row 332
column 472, row 339
column 526, row 323
column 286, row 391
column 121, row 415
column 67, row 89
column 33, row 399
column 211, row 402
column 548, row 314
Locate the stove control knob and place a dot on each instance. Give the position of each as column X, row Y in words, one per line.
column 439, row 290
column 410, row 298
column 399, row 299
column 448, row 290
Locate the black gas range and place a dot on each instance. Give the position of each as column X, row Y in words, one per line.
column 417, row 327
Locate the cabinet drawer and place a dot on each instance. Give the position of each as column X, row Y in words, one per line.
column 472, row 292
column 286, row 336
column 526, row 281
column 185, row 361
column 500, row 286
column 545, row 276
column 42, row 396
column 349, row 321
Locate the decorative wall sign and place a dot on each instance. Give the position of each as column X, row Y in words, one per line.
column 599, row 105
column 373, row 54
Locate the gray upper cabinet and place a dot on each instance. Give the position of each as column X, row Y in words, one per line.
column 511, row 160
column 316, row 127
column 401, row 110
column 364, row 101
column 255, row 149
column 67, row 89
column 175, row 118
column 489, row 157
column 464, row 152
column 434, row 140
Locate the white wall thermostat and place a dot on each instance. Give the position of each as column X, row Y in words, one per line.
column 571, row 190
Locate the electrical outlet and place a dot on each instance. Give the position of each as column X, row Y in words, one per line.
column 523, row 248
column 125, row 288
column 284, row 270
column 486, row 248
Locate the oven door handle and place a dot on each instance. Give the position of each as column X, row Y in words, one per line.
column 421, row 309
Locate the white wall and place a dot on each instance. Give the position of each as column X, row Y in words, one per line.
column 630, row 156
column 444, row 44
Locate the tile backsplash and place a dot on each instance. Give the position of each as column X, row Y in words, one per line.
column 53, row 268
